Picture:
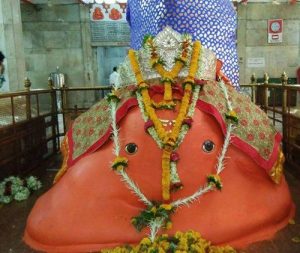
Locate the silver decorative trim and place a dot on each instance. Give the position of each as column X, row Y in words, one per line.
column 168, row 43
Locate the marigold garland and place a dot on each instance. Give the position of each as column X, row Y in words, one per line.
column 164, row 105
column 145, row 96
column 166, row 171
column 161, row 213
column 163, row 218
column 168, row 139
column 190, row 241
column 187, row 90
column 158, row 64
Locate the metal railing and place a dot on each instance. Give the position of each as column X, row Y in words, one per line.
column 32, row 122
column 282, row 104
column 72, row 102
column 28, row 129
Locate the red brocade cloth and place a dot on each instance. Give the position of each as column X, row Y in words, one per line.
column 254, row 134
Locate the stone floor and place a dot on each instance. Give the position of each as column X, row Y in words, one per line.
column 13, row 219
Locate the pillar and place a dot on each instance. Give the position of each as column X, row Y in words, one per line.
column 11, row 44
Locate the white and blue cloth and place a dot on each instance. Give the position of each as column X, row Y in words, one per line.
column 213, row 22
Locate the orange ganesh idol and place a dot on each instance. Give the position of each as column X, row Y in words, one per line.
column 173, row 160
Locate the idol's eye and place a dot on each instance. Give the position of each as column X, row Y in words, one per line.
column 131, row 148
column 208, row 146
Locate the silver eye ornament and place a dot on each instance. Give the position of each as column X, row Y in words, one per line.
column 208, row 146
column 131, row 148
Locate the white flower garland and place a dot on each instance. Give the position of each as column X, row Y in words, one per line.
column 157, row 223
column 145, row 117
column 185, row 128
column 190, row 199
column 115, row 136
column 14, row 188
column 155, row 226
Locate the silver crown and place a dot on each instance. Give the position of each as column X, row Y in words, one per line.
column 168, row 44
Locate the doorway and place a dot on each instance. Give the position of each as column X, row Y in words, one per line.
column 107, row 59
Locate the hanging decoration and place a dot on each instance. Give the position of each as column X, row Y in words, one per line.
column 108, row 12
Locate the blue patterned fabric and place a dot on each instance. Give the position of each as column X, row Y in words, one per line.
column 213, row 22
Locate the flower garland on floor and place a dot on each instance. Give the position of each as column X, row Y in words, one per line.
column 190, row 241
column 15, row 188
column 158, row 215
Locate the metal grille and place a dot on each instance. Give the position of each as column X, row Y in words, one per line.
column 24, row 133
column 110, row 32
column 6, row 117
column 45, row 101
column 19, row 108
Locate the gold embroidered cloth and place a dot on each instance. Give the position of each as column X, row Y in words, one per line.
column 254, row 134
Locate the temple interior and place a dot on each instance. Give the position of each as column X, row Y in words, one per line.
column 59, row 60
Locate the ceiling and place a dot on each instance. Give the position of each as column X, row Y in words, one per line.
column 51, row 1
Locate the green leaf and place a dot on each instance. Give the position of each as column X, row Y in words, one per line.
column 172, row 247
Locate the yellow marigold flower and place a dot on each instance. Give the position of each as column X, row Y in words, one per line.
column 120, row 168
column 120, row 163
column 164, row 236
column 215, row 180
column 151, row 249
column 146, row 241
column 232, row 113
column 178, row 234
column 165, row 245
column 161, row 250
column 183, row 243
column 169, row 225
column 167, row 207
column 143, row 85
column 217, row 177
column 120, row 159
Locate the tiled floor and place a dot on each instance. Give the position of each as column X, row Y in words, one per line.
column 13, row 219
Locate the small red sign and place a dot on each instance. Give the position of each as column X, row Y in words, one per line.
column 275, row 25
column 275, row 29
